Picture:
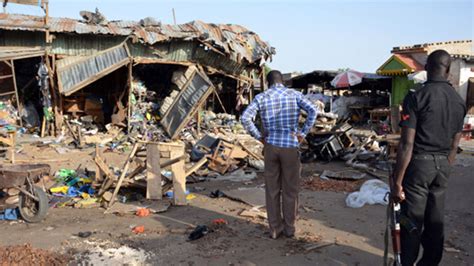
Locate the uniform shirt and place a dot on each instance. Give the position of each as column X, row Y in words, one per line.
column 279, row 109
column 436, row 112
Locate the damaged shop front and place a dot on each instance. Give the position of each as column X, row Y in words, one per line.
column 350, row 118
column 169, row 96
column 100, row 68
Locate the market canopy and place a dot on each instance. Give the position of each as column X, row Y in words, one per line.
column 347, row 79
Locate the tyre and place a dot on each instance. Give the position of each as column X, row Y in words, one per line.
column 33, row 211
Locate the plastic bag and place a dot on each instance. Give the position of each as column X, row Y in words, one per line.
column 371, row 192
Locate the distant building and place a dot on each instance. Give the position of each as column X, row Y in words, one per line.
column 410, row 59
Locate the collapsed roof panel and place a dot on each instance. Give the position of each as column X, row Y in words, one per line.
column 74, row 73
column 195, row 87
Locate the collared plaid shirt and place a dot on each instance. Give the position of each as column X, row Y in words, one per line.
column 279, row 109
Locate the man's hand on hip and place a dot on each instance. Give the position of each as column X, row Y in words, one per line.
column 300, row 138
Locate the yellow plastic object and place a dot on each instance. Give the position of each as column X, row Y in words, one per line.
column 190, row 197
column 62, row 189
column 85, row 180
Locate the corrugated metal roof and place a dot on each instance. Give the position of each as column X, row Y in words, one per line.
column 234, row 40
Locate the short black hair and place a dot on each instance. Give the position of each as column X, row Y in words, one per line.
column 274, row 77
column 438, row 61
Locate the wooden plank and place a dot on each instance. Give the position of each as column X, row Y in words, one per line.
column 6, row 76
column 124, row 173
column 196, row 166
column 103, row 168
column 8, row 63
column 179, row 178
column 153, row 172
column 98, row 173
column 172, row 161
column 219, row 99
column 254, row 155
column 7, row 93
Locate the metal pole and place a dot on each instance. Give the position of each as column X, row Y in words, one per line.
column 174, row 16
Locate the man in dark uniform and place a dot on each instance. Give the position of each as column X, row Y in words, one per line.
column 432, row 121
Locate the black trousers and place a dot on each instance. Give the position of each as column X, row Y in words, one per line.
column 425, row 184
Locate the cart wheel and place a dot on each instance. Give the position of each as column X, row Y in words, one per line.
column 31, row 210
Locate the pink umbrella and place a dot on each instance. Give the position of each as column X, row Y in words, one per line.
column 347, row 78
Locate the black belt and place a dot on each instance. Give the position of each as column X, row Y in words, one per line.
column 429, row 156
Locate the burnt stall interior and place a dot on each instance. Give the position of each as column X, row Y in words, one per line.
column 100, row 103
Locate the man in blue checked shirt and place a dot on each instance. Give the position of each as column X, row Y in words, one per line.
column 279, row 109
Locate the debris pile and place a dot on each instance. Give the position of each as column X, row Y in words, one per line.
column 73, row 189
column 8, row 115
column 145, row 117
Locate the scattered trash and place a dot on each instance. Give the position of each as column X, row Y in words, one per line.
column 371, row 192
column 85, row 234
column 138, row 229
column 190, row 197
column 109, row 253
column 9, row 214
column 142, row 212
column 254, row 212
column 219, row 221
column 452, row 250
column 216, row 194
column 198, row 232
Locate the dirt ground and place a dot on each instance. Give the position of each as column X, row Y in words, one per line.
column 329, row 233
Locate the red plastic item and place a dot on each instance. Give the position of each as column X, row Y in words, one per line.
column 142, row 212
column 139, row 229
column 219, row 221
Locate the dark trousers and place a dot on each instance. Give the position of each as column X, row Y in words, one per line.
column 282, row 177
column 425, row 185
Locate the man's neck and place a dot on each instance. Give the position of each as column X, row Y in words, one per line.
column 276, row 85
column 436, row 77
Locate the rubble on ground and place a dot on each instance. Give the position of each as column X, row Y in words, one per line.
column 27, row 255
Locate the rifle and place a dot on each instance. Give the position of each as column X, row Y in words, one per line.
column 393, row 225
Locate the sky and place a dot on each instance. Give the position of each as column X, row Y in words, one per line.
column 307, row 35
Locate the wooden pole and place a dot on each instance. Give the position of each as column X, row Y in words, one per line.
column 179, row 178
column 130, row 92
column 18, row 103
column 124, row 173
column 219, row 99
column 153, row 172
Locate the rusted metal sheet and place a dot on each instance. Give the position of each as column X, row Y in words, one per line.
column 233, row 40
column 74, row 73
